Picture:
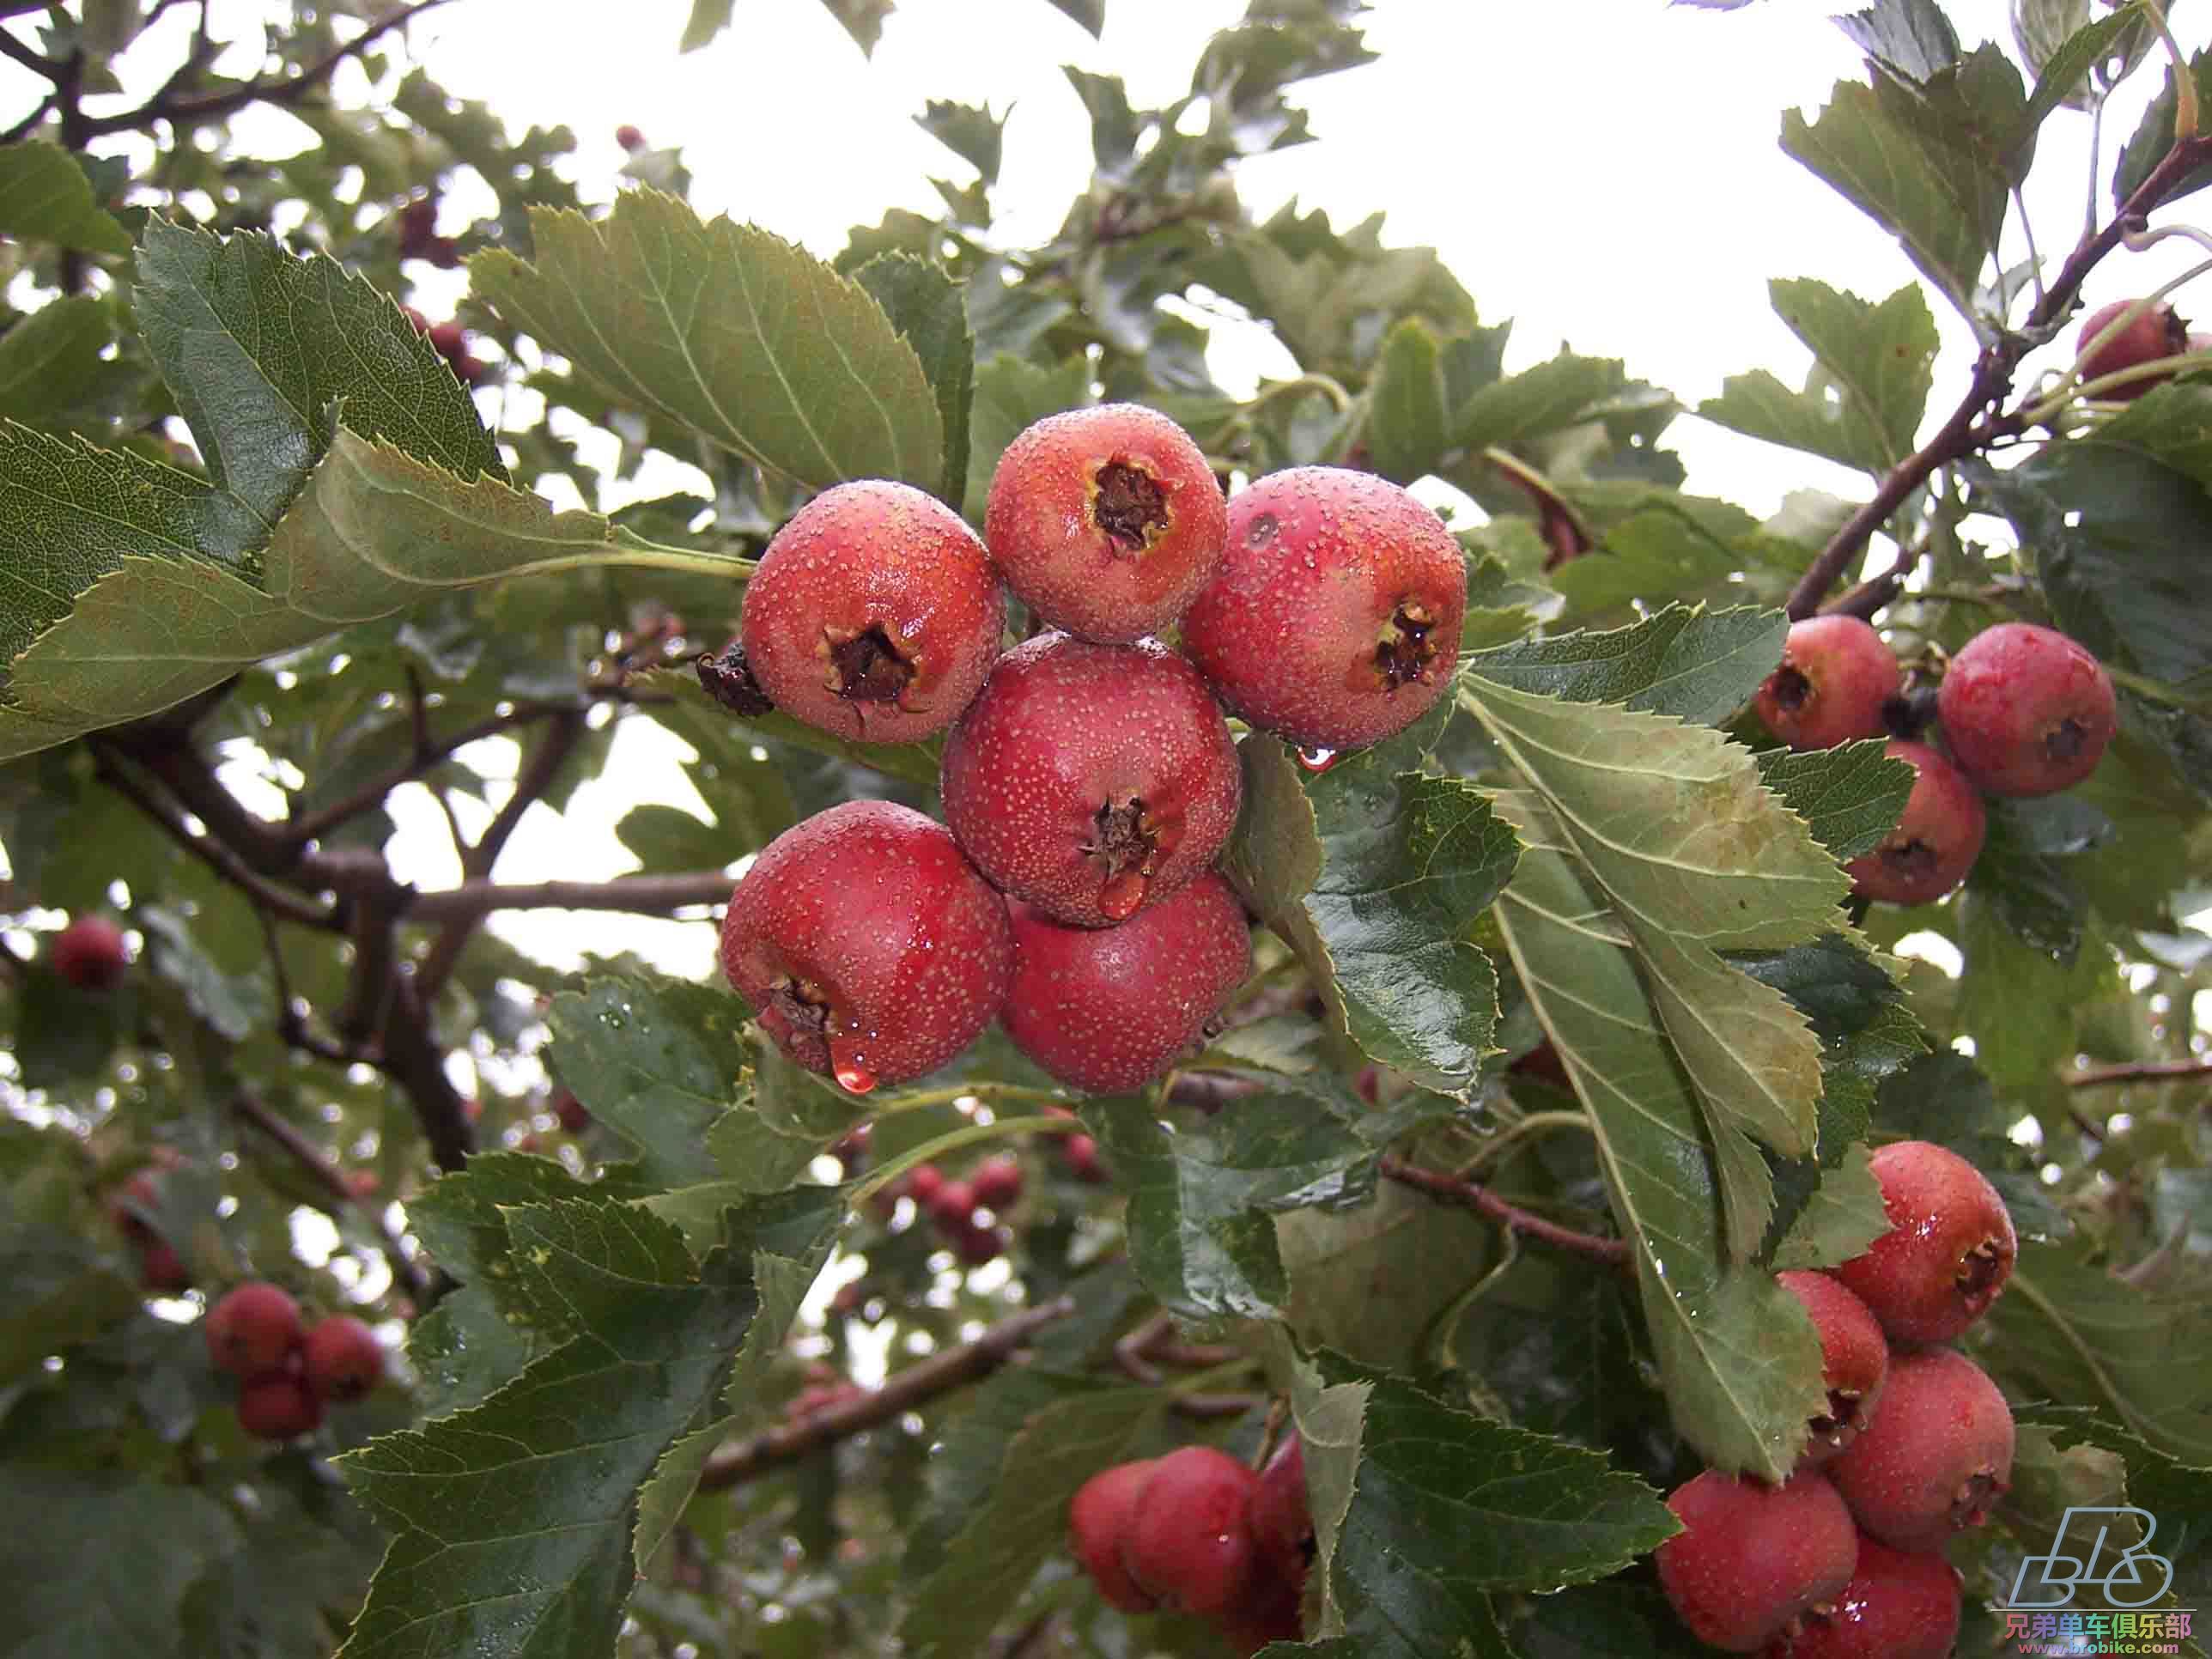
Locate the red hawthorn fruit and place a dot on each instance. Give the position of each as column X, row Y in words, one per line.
column 952, row 1207
column 1109, row 1009
column 342, row 1359
column 923, row 1184
column 253, row 1329
column 1854, row 1361
column 1188, row 1541
column 1937, row 838
column 997, row 1182
column 1949, row 1251
column 1282, row 1521
column 574, row 1117
column 1936, row 1458
column 1836, row 674
column 278, row 1406
column 1082, row 1154
column 1097, row 1521
column 2025, row 710
column 2156, row 333
column 1896, row 1607
column 1090, row 780
column 1106, row 521
column 162, row 1268
column 629, row 137
column 875, row 614
column 977, row 1244
column 867, row 944
column 90, row 954
column 1275, row 1612
column 1752, row 1557
column 1335, row 619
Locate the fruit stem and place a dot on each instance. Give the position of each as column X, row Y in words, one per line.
column 1328, row 387
column 951, row 1141
column 2065, row 391
column 2184, row 83
column 953, row 1093
column 1536, row 1123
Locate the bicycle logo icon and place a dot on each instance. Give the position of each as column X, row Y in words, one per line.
column 2132, row 1578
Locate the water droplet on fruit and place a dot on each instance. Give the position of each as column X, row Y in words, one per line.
column 1121, row 897
column 1318, row 760
column 854, row 1078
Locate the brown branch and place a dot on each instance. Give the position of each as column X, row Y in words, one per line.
column 645, row 895
column 332, row 1181
column 29, row 124
column 35, row 62
column 915, row 1386
column 2138, row 1071
column 1965, row 432
column 1613, row 1252
column 428, row 756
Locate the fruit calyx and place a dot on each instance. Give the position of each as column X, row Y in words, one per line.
column 728, row 679
column 864, row 665
column 804, row 1007
column 1404, row 650
column 1126, row 848
column 1129, row 506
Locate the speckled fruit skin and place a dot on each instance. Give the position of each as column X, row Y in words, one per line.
column 254, row 1328
column 1937, row 838
column 343, row 1360
column 1335, row 619
column 278, row 1406
column 2157, row 333
column 1753, row 1557
column 875, row 614
column 1896, row 1607
column 1948, row 1252
column 1109, row 1009
column 2025, row 710
column 1936, row 1457
column 1188, row 1542
column 1282, row 1521
column 1836, row 674
column 1854, row 1361
column 1106, row 521
column 1097, row 1521
column 90, row 954
column 1090, row 780
column 868, row 945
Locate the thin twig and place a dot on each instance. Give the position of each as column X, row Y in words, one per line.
column 1613, row 1252
column 332, row 1181
column 2138, row 1071
column 38, row 65
column 644, row 895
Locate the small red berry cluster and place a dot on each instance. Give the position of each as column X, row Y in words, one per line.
column 451, row 342
column 287, row 1371
column 2024, row 710
column 1844, row 1560
column 958, row 1208
column 1197, row 1532
column 1089, row 778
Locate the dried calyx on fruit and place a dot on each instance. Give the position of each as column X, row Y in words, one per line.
column 1835, row 677
column 1950, row 1249
column 1854, row 1361
column 1937, row 838
column 1936, row 1457
column 2025, row 710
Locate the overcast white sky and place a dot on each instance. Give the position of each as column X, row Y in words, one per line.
column 1606, row 173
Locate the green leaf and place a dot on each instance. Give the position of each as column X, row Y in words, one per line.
column 50, row 359
column 44, row 197
column 2154, row 138
column 743, row 336
column 667, row 840
column 1910, row 36
column 1867, row 388
column 1012, row 394
column 1566, row 392
column 2063, row 62
column 1841, row 1216
column 969, row 132
column 1374, row 873
column 2018, row 998
column 656, row 1060
column 1695, row 665
column 708, row 18
column 59, row 1294
column 1406, row 429
column 862, row 18
column 1850, row 796
column 930, row 311
column 2177, row 1494
column 1088, row 15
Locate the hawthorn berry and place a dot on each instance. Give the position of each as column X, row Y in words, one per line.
column 574, row 1116
column 278, row 1406
column 952, row 1206
column 1898, row 1606
column 875, row 614
column 922, row 1184
column 1751, row 1559
column 629, row 137
column 1082, row 1154
column 1106, row 521
column 342, row 1358
column 1090, row 780
column 1936, row 1458
column 1188, row 1541
column 1274, row 1612
column 1949, row 1251
column 1336, row 618
column 997, row 1181
column 1097, row 1521
column 1854, row 1361
column 90, row 954
column 1937, row 838
column 1836, row 674
column 253, row 1329
column 2025, row 710
column 867, row 944
column 1282, row 1521
column 1110, row 1009
column 2155, row 333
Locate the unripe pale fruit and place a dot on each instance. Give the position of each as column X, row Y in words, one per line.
column 1937, row 837
column 1936, row 1457
column 1896, row 1607
column 253, row 1329
column 1097, row 1521
column 875, row 614
column 1949, row 1251
column 997, row 1180
column 1110, row 1009
column 343, row 1360
column 2156, row 333
column 1854, row 1361
column 870, row 947
column 1188, row 1542
column 90, row 954
column 2025, row 710
column 1335, row 620
column 278, row 1406
column 1106, row 521
column 1090, row 780
column 1752, row 1559
column 1836, row 674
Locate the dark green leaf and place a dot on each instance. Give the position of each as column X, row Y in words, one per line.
column 1910, row 36
column 49, row 360
column 656, row 1060
column 44, row 197
column 929, row 310
column 60, row 1292
column 1011, row 395
column 1406, row 420
column 1089, row 15
column 969, row 132
column 2153, row 140
column 1698, row 667
column 1849, row 795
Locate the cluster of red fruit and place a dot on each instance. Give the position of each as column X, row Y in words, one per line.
column 1844, row 1560
column 2024, row 710
column 956, row 1208
column 287, row 1371
column 1088, row 776
column 1197, row 1532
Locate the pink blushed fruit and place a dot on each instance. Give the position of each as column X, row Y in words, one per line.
column 1097, row 1521
column 1854, row 1361
column 2156, row 333
column 1188, row 1541
column 278, row 1406
column 1948, row 1252
column 1896, row 1607
column 253, row 1329
column 90, row 954
column 1836, row 674
column 2025, row 710
column 1937, row 837
column 342, row 1359
column 1936, row 1457
column 1752, row 1559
